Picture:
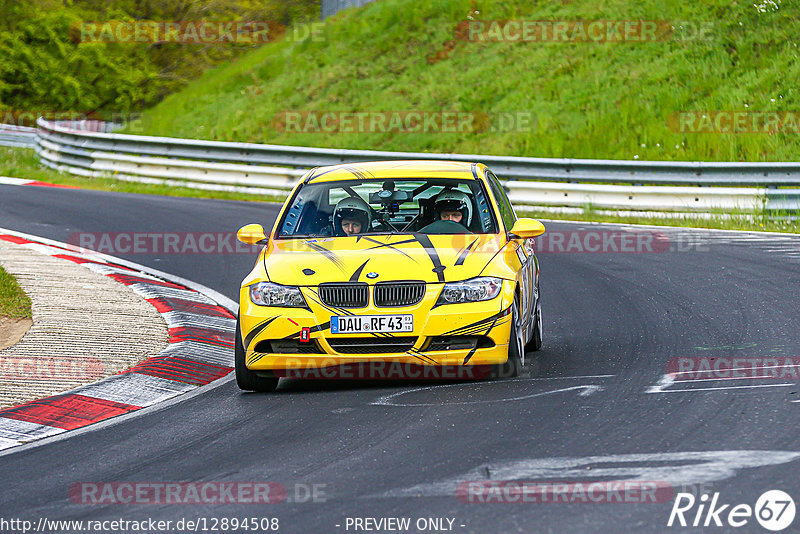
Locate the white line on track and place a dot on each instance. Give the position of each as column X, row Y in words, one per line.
column 386, row 400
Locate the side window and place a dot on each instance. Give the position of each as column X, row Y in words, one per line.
column 485, row 220
column 506, row 210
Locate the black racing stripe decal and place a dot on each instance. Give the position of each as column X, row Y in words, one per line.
column 255, row 357
column 356, row 275
column 420, row 358
column 392, row 245
column 257, row 330
column 419, row 355
column 332, row 309
column 465, row 253
column 355, row 171
column 475, row 348
column 361, row 174
column 471, row 353
column 478, row 324
column 327, row 253
column 317, row 175
column 471, row 328
column 476, row 330
column 438, row 268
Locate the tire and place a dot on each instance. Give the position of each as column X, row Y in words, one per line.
column 536, row 340
column 513, row 366
column 245, row 378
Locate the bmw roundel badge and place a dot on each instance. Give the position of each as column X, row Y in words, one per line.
column 372, row 275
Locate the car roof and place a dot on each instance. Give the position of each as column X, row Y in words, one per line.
column 393, row 169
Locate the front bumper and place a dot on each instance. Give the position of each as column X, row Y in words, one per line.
column 267, row 330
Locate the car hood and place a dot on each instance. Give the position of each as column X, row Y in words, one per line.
column 379, row 258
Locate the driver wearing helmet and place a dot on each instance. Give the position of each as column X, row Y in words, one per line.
column 453, row 206
column 351, row 216
column 452, row 212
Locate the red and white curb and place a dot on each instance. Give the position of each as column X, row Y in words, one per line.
column 5, row 180
column 200, row 351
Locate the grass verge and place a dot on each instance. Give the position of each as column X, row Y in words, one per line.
column 14, row 303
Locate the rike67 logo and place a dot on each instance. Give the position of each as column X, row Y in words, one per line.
column 774, row 510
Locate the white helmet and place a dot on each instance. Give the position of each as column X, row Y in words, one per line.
column 351, row 208
column 451, row 200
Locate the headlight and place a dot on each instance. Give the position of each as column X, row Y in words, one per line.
column 269, row 294
column 474, row 290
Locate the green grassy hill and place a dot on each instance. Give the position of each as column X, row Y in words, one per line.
column 586, row 99
column 46, row 68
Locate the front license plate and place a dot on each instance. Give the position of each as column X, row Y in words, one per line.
column 367, row 324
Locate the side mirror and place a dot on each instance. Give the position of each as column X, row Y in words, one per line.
column 252, row 234
column 526, row 228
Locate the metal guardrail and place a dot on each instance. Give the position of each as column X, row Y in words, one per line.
column 24, row 136
column 331, row 7
column 607, row 184
column 17, row 136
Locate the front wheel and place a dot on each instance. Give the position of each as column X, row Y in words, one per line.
column 245, row 378
column 536, row 340
column 516, row 350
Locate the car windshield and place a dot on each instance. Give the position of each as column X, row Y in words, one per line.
column 412, row 205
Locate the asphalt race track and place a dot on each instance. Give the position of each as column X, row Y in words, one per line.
column 594, row 405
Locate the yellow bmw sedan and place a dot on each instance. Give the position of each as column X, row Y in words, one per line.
column 402, row 268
